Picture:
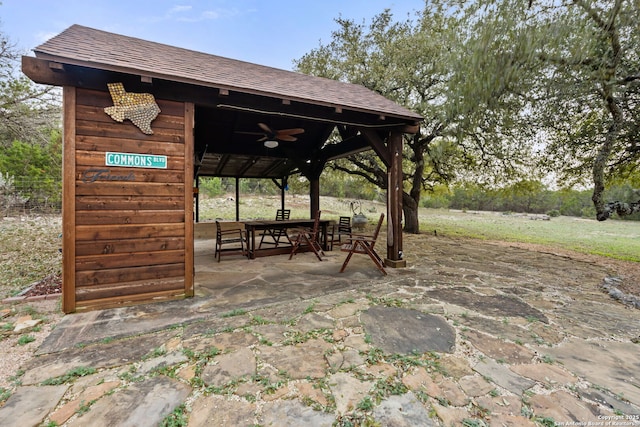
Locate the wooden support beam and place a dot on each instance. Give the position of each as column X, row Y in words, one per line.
column 394, row 202
column 411, row 129
column 314, row 197
column 56, row 66
column 237, row 198
column 223, row 162
column 69, row 201
column 247, row 165
column 377, row 144
column 189, row 271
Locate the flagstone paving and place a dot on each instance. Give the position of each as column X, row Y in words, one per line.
column 470, row 333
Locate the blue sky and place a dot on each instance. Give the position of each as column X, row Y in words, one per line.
column 266, row 32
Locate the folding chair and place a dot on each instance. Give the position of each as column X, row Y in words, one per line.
column 364, row 245
column 342, row 228
column 278, row 233
column 307, row 237
column 229, row 235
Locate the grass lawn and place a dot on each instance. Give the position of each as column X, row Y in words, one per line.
column 612, row 238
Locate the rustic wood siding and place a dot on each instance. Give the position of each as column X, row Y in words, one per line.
column 132, row 238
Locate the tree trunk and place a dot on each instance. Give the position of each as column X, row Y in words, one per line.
column 604, row 153
column 411, row 200
column 410, row 214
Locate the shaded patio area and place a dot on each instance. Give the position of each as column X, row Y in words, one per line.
column 237, row 282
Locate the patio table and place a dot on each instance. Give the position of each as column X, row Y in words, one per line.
column 252, row 226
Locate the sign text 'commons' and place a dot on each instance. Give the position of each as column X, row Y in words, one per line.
column 129, row 160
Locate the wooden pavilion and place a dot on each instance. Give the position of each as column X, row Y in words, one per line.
column 143, row 120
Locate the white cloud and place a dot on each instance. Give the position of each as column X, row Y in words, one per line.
column 187, row 13
column 179, row 8
column 210, row 15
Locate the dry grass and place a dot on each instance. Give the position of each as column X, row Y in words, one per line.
column 29, row 251
column 265, row 207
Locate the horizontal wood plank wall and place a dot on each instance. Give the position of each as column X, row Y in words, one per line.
column 131, row 224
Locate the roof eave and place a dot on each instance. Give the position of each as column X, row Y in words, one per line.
column 411, row 118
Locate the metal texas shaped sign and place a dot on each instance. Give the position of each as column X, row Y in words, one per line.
column 140, row 108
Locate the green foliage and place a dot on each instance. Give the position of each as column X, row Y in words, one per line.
column 407, row 61
column 71, row 375
column 25, row 339
column 211, row 186
column 528, row 197
column 439, row 197
column 235, row 312
column 30, row 142
column 29, row 111
column 177, row 418
column 4, row 394
column 32, row 173
column 569, row 83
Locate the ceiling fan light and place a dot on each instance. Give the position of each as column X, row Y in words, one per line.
column 271, row 143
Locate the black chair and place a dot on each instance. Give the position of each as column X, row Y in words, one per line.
column 342, row 228
column 278, row 233
column 232, row 236
column 307, row 237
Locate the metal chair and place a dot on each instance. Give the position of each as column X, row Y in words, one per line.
column 364, row 245
column 307, row 237
column 276, row 234
column 231, row 235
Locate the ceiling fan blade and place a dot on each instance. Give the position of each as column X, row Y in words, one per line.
column 294, row 131
column 264, row 138
column 242, row 132
column 265, row 128
column 288, row 138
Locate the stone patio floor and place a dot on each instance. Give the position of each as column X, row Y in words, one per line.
column 469, row 334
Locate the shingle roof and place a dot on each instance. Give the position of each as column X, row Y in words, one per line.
column 85, row 46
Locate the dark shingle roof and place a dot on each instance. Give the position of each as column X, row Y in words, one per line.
column 89, row 47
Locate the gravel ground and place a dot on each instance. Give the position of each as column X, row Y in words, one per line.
column 15, row 348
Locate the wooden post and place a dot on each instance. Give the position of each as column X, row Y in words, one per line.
column 314, row 196
column 283, row 189
column 197, row 197
column 394, row 202
column 189, row 268
column 69, row 201
column 237, row 198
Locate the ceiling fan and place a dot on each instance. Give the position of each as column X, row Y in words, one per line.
column 271, row 137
